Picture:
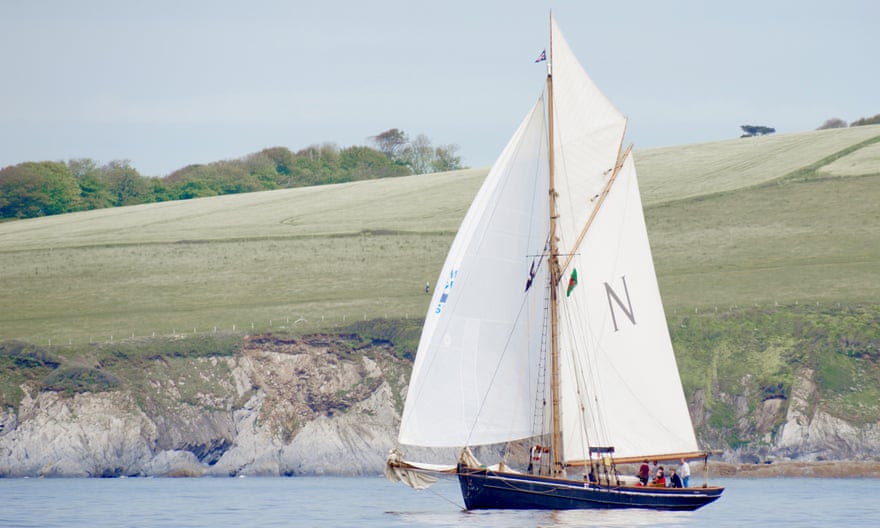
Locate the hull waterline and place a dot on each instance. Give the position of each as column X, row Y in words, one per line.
column 485, row 489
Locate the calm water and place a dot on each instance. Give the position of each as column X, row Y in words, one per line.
column 374, row 502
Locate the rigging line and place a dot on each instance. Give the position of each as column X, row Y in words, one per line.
column 592, row 387
column 531, row 489
column 579, row 371
column 539, row 420
column 539, row 423
column 541, row 381
column 447, row 499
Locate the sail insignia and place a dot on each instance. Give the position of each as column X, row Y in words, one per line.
column 626, row 309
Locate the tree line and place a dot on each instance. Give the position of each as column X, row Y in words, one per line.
column 836, row 122
column 32, row 189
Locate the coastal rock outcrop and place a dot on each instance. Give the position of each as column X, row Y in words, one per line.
column 318, row 406
column 87, row 435
column 278, row 408
column 810, row 433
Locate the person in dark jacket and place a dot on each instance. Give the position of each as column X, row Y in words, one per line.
column 675, row 479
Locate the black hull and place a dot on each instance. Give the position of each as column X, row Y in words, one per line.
column 484, row 489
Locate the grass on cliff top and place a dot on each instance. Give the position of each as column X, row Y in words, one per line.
column 100, row 367
column 729, row 225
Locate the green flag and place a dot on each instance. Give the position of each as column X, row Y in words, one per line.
column 572, row 282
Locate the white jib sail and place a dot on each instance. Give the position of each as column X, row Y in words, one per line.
column 475, row 372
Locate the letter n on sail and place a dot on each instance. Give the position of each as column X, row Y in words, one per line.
column 627, row 309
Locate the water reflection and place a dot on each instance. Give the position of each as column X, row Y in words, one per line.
column 619, row 518
column 544, row 519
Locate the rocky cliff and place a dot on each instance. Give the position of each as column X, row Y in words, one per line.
column 318, row 405
column 278, row 408
column 797, row 426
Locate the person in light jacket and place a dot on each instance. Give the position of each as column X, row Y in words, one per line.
column 684, row 471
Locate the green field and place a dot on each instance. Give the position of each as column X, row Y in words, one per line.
column 759, row 221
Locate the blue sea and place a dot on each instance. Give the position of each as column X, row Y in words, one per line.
column 375, row 502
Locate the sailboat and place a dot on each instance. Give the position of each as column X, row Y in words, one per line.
column 547, row 328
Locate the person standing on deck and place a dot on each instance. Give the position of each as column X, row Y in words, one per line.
column 684, row 471
column 644, row 473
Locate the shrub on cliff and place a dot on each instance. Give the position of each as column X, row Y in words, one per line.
column 403, row 334
column 72, row 380
column 27, row 355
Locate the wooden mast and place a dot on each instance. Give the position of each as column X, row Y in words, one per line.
column 556, row 439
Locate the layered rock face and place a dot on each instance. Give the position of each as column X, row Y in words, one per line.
column 279, row 408
column 83, row 436
column 794, row 427
column 810, row 433
column 311, row 407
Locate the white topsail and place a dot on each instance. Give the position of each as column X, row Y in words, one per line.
column 476, row 375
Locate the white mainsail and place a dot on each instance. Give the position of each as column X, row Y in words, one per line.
column 476, row 376
column 619, row 381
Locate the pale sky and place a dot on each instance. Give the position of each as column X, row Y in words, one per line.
column 166, row 83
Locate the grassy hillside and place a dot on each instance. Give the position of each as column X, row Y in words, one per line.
column 780, row 219
column 329, row 254
column 675, row 173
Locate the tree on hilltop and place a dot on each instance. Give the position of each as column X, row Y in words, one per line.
column 125, row 184
column 361, row 163
column 756, row 130
column 282, row 157
column 93, row 186
column 418, row 155
column 874, row 120
column 391, row 142
column 445, row 159
column 37, row 189
column 834, row 122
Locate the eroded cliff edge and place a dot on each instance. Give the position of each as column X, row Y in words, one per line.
column 278, row 407
column 324, row 405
